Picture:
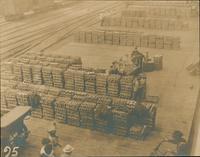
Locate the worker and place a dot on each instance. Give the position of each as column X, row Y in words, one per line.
column 135, row 89
column 52, row 135
column 137, row 59
column 67, row 151
column 114, row 68
column 142, row 86
column 174, row 146
column 47, row 148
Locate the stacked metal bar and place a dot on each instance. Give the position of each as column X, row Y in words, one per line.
column 103, row 114
column 66, row 93
column 53, row 91
column 11, row 99
column 60, row 110
column 79, row 81
column 7, row 70
column 69, row 79
column 87, row 114
column 73, row 116
column 122, row 110
column 126, row 87
column 48, row 104
column 23, row 98
column 47, row 76
column 17, row 71
column 116, row 37
column 101, row 84
column 113, row 85
column 108, row 37
column 3, row 98
column 58, row 78
column 90, row 82
column 79, row 96
column 37, row 74
column 27, row 73
column 123, row 38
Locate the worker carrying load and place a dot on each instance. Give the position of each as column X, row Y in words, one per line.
column 137, row 59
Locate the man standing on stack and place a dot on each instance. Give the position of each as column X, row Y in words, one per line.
column 137, row 59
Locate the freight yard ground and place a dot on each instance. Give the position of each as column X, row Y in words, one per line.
column 178, row 91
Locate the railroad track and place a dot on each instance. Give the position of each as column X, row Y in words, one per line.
column 50, row 37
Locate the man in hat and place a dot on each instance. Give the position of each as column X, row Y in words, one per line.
column 67, row 151
column 52, row 135
column 137, row 59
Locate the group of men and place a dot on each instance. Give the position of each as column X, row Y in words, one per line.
column 51, row 144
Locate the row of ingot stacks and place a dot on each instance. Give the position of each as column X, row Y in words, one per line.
column 57, row 77
column 161, row 12
column 69, row 79
column 122, row 111
column 103, row 114
column 146, row 23
column 129, row 38
column 113, row 85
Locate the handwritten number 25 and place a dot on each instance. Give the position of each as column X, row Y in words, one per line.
column 11, row 152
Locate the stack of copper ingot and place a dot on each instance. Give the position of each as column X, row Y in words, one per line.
column 79, row 96
column 103, row 116
column 73, row 116
column 48, row 105
column 27, row 73
column 37, row 111
column 113, row 85
column 126, row 84
column 87, row 114
column 23, row 98
column 79, row 82
column 123, row 38
column 69, row 79
column 90, row 82
column 11, row 99
column 17, row 71
column 60, row 109
column 66, row 93
column 116, row 38
column 47, row 76
column 58, row 80
column 54, row 91
column 37, row 74
column 101, row 84
column 122, row 110
column 7, row 70
column 108, row 37
column 3, row 98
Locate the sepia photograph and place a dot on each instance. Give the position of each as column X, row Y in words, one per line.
column 99, row 78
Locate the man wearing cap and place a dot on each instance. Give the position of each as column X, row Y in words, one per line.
column 67, row 151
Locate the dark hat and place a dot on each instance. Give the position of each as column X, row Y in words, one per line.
column 177, row 134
